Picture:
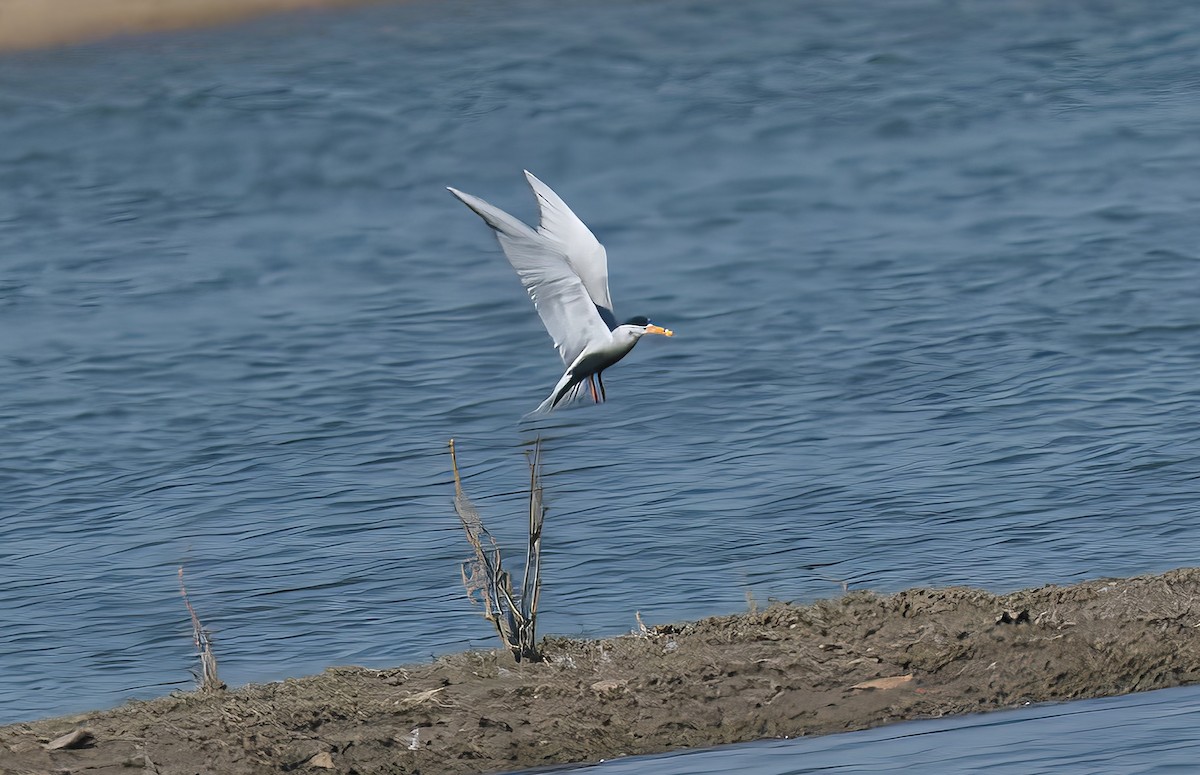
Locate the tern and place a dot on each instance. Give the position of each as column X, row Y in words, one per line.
column 564, row 268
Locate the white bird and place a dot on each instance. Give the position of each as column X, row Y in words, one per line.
column 564, row 268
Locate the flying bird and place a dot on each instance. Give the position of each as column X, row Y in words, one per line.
column 564, row 268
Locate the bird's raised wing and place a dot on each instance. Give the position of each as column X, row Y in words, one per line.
column 557, row 291
column 583, row 251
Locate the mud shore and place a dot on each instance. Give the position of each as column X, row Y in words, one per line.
column 854, row 662
column 26, row 24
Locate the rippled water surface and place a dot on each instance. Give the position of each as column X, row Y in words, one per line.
column 1149, row 734
column 932, row 265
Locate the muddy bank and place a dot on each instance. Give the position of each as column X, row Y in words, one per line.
column 35, row 23
column 850, row 663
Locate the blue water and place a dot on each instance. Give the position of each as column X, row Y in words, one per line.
column 932, row 267
column 1148, row 734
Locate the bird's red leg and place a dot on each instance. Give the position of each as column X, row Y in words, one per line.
column 600, row 379
column 592, row 382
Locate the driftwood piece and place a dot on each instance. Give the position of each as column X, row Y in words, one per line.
column 78, row 738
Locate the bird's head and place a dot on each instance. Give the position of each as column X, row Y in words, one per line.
column 636, row 328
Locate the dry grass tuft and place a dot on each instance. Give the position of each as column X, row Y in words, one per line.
column 514, row 616
column 417, row 699
column 206, row 680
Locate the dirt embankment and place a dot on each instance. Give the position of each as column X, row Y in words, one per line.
column 35, row 23
column 850, row 663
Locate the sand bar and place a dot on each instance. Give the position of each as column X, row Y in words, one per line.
column 26, row 24
column 856, row 661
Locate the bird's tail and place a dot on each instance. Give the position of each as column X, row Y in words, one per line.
column 567, row 391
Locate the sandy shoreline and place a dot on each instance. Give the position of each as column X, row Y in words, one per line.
column 26, row 24
column 858, row 661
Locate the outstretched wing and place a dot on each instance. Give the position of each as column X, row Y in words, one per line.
column 557, row 291
column 583, row 251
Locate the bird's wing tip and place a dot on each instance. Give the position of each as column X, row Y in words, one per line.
column 461, row 196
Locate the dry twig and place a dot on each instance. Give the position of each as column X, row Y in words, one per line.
column 514, row 616
column 207, row 680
